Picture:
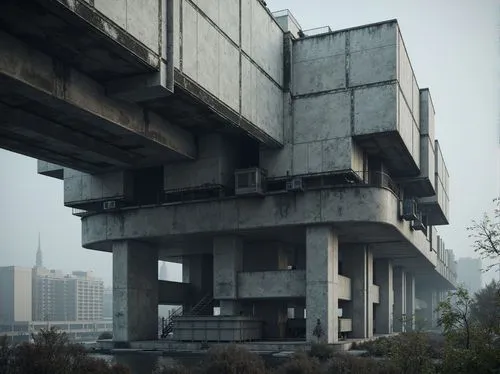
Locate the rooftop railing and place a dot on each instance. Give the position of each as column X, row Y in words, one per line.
column 318, row 31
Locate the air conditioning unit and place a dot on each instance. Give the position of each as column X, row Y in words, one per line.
column 250, row 181
column 109, row 205
column 418, row 223
column 294, row 185
column 410, row 209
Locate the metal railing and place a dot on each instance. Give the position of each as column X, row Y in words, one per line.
column 318, row 31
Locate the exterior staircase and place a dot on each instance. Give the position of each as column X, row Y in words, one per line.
column 204, row 303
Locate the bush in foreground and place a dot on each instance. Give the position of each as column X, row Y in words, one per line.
column 51, row 352
column 232, row 359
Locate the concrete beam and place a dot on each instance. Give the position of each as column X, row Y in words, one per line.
column 50, row 170
column 39, row 77
column 173, row 293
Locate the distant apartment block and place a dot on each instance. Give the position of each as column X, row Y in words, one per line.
column 15, row 294
column 469, row 273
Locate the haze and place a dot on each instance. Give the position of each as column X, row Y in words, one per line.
column 454, row 49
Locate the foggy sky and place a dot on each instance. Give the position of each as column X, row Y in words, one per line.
column 454, row 50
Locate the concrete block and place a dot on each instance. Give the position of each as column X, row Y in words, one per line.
column 248, row 89
column 177, row 33
column 415, row 151
column 269, row 106
column 427, row 115
column 427, row 159
column 373, row 36
column 228, row 255
column 300, row 164
column 405, row 72
column 322, row 117
column 373, row 65
column 337, row 154
column 210, row 8
column 375, row 109
column 416, row 102
column 189, row 41
column 143, row 22
column 229, row 18
column 272, row 284
column 277, row 162
column 49, row 169
column 208, row 56
column 405, row 124
column 319, row 47
column 246, row 25
column 384, row 311
column 115, row 10
column 314, row 157
column 319, row 75
column 229, row 74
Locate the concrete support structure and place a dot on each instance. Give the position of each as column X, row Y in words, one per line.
column 228, row 261
column 198, row 271
column 410, row 302
column 358, row 266
column 135, row 292
column 430, row 298
column 384, row 310
column 399, row 300
column 321, row 282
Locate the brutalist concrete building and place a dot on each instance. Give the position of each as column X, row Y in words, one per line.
column 295, row 174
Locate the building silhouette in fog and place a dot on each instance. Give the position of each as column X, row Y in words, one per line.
column 469, row 273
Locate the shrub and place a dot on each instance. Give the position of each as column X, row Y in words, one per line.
column 105, row 335
column 300, row 363
column 231, row 359
column 379, row 347
column 321, row 351
column 347, row 364
column 410, row 353
column 171, row 369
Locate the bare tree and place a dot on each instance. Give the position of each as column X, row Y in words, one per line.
column 486, row 235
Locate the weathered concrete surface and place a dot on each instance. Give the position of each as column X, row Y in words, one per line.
column 49, row 169
column 64, row 95
column 272, row 284
column 227, row 263
column 410, row 302
column 135, row 292
column 198, row 272
column 357, row 261
column 383, row 277
column 399, row 278
column 322, row 282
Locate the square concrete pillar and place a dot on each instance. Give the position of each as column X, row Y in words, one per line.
column 198, row 271
column 384, row 310
column 135, row 292
column 410, row 302
column 358, row 265
column 321, row 282
column 399, row 279
column 228, row 261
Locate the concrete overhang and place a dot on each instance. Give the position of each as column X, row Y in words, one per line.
column 369, row 213
column 55, row 113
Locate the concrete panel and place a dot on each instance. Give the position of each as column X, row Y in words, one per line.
column 229, row 74
column 427, row 159
column 228, row 255
column 208, row 56
column 405, row 123
column 314, row 157
column 319, row 75
column 338, row 155
column 272, row 284
column 416, row 102
column 143, row 21
column 358, row 157
column 373, row 36
column 189, row 41
column 405, row 72
column 248, row 89
column 415, row 143
column 375, row 109
column 427, row 115
column 277, row 161
column 373, row 65
column 319, row 47
column 321, row 117
column 115, row 10
column 177, row 33
column 300, row 162
column 229, row 18
column 269, row 106
column 49, row 169
column 210, row 8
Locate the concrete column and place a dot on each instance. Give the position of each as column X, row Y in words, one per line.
column 384, row 311
column 410, row 302
column 358, row 265
column 321, row 282
column 197, row 270
column 135, row 292
column 228, row 261
column 399, row 279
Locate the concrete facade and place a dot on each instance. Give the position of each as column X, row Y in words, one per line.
column 15, row 294
column 284, row 170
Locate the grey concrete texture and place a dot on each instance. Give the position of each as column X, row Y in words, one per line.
column 272, row 284
column 383, row 271
column 135, row 292
column 400, row 297
column 410, row 302
column 322, row 282
column 228, row 261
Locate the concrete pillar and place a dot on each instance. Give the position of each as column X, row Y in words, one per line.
column 135, row 292
column 384, row 312
column 410, row 302
column 198, row 271
column 399, row 279
column 228, row 261
column 358, row 265
column 321, row 282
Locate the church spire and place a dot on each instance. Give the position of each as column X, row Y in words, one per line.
column 39, row 260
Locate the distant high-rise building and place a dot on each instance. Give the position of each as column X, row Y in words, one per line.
column 15, row 294
column 469, row 273
column 39, row 258
column 72, row 297
column 163, row 271
column 107, row 303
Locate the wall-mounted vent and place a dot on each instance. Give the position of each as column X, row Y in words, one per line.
column 294, row 185
column 109, row 205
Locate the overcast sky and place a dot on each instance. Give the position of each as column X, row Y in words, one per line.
column 454, row 47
